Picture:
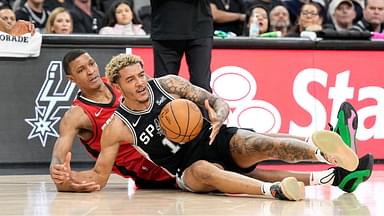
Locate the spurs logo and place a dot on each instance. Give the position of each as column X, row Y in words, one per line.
column 53, row 97
column 160, row 100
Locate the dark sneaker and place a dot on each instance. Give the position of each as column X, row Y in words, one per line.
column 346, row 126
column 348, row 181
column 334, row 149
column 288, row 189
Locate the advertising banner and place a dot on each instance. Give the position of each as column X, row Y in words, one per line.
column 298, row 91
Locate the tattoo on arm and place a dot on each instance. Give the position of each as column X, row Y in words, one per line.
column 179, row 86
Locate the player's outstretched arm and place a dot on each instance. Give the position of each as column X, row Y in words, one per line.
column 113, row 134
column 73, row 121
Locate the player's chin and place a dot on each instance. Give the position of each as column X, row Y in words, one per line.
column 143, row 99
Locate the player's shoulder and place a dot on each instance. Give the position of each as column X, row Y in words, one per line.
column 115, row 130
column 75, row 114
column 114, row 125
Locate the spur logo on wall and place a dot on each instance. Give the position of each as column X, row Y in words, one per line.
column 54, row 95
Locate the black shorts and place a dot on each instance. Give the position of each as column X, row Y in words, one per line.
column 218, row 152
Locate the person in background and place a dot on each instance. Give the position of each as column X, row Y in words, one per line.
column 59, row 22
column 310, row 19
column 120, row 19
column 34, row 12
column 294, row 7
column 228, row 15
column 21, row 27
column 261, row 14
column 342, row 14
column 178, row 28
column 268, row 4
column 279, row 20
column 373, row 17
column 8, row 16
column 86, row 18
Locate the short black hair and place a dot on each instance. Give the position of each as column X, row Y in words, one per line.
column 69, row 57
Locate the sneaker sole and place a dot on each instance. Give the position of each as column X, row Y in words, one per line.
column 348, row 115
column 331, row 144
column 293, row 189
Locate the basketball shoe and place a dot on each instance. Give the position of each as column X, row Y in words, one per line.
column 334, row 150
column 348, row 181
column 288, row 189
column 346, row 126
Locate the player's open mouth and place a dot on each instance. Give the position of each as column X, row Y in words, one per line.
column 141, row 90
column 94, row 78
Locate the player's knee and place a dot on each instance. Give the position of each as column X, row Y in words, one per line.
column 203, row 170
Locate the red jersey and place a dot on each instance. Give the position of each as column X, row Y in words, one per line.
column 129, row 162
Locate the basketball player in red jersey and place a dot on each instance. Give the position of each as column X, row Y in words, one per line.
column 220, row 155
column 94, row 104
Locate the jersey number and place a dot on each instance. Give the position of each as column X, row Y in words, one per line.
column 146, row 136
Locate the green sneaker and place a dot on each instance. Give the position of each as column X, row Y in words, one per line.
column 348, row 181
column 346, row 126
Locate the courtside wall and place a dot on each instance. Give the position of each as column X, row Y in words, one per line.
column 272, row 85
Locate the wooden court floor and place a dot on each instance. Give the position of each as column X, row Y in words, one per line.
column 36, row 195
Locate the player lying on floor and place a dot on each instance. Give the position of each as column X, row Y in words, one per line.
column 199, row 166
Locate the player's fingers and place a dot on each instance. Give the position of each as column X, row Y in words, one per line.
column 31, row 28
column 86, row 186
column 57, row 168
column 59, row 176
column 213, row 134
column 58, row 181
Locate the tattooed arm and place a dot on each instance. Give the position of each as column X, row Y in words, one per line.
column 218, row 109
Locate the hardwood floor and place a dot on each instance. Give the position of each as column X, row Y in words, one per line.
column 36, row 195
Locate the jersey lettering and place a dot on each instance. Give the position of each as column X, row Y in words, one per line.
column 147, row 134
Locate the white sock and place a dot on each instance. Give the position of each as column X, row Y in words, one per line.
column 320, row 157
column 266, row 189
column 325, row 177
column 318, row 154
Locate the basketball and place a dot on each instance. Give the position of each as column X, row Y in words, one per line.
column 181, row 120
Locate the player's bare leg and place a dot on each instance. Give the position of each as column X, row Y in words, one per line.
column 248, row 148
column 336, row 176
column 203, row 176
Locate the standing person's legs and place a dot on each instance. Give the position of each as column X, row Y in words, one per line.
column 167, row 56
column 198, row 55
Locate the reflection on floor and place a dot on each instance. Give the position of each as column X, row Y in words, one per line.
column 36, row 195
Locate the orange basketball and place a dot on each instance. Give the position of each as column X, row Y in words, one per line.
column 181, row 120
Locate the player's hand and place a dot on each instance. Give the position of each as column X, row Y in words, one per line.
column 61, row 173
column 22, row 27
column 83, row 186
column 215, row 122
